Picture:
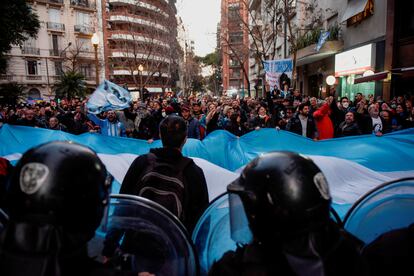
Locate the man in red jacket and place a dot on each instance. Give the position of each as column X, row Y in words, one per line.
column 323, row 121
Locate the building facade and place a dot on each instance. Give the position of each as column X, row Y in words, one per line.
column 234, row 48
column 369, row 48
column 141, row 43
column 63, row 43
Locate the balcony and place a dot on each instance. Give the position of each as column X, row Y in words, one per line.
column 49, row 2
column 33, row 78
column 83, row 29
column 83, row 5
column 53, row 26
column 55, row 52
column 6, row 78
column 31, row 51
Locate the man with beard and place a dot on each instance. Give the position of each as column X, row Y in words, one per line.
column 303, row 124
column 348, row 127
column 110, row 126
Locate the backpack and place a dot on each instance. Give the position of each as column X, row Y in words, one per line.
column 163, row 183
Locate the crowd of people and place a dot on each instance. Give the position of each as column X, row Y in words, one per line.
column 311, row 117
column 293, row 233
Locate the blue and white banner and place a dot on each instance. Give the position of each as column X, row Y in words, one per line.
column 275, row 68
column 108, row 96
column 352, row 165
column 322, row 39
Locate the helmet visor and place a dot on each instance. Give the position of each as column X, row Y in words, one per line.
column 142, row 236
column 239, row 225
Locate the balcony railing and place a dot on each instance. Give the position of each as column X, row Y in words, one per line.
column 82, row 4
column 59, row 2
column 83, row 29
column 55, row 52
column 6, row 77
column 56, row 26
column 30, row 51
column 33, row 77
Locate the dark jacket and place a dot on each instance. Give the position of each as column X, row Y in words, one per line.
column 392, row 253
column 338, row 252
column 193, row 128
column 365, row 122
column 196, row 193
column 41, row 252
column 294, row 125
column 347, row 130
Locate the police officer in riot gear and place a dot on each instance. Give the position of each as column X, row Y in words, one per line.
column 286, row 200
column 56, row 199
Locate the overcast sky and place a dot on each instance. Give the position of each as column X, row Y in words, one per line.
column 200, row 18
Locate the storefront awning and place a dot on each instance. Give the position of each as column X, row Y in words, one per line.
column 354, row 7
column 309, row 54
column 375, row 77
column 405, row 72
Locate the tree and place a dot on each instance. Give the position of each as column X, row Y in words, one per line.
column 271, row 20
column 214, row 60
column 71, row 84
column 17, row 22
column 151, row 44
column 294, row 31
column 192, row 74
column 233, row 38
column 10, row 93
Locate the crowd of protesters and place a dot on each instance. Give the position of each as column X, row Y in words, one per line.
column 314, row 118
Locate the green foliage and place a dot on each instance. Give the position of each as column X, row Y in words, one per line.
column 71, row 84
column 212, row 59
column 16, row 22
column 197, row 83
column 312, row 37
column 11, row 92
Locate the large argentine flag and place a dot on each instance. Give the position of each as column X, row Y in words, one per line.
column 352, row 165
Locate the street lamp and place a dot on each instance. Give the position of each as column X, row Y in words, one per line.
column 95, row 42
column 140, row 70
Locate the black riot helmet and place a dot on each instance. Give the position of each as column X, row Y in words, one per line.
column 61, row 184
column 283, row 194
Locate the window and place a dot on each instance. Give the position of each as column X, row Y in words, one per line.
column 55, row 45
column 85, row 70
column 236, row 37
column 84, row 44
column 82, row 19
column 30, row 43
column 54, row 15
column 32, row 67
column 58, row 68
column 234, row 11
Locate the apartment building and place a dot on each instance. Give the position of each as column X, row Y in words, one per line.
column 63, row 43
column 234, row 48
column 369, row 49
column 141, row 40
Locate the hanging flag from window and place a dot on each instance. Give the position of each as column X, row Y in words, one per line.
column 322, row 39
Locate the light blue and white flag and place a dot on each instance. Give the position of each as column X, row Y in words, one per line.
column 352, row 165
column 322, row 39
column 275, row 68
column 108, row 96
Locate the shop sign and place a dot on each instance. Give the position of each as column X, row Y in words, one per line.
column 355, row 61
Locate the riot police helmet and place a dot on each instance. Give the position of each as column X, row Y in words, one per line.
column 283, row 194
column 62, row 184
